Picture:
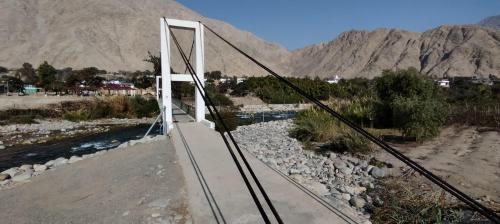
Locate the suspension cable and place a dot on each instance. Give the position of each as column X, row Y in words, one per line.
column 429, row 175
column 209, row 104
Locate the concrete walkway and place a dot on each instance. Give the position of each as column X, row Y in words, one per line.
column 217, row 193
column 137, row 184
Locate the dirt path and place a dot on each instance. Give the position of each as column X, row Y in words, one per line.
column 33, row 101
column 463, row 156
column 139, row 184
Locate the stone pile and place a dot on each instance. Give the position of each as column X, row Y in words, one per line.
column 335, row 176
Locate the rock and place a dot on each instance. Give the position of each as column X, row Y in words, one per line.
column 357, row 202
column 60, row 161
column 23, row 177
column 74, row 159
column 338, row 163
column 26, row 167
column 318, row 188
column 377, row 172
column 4, row 176
column 359, row 190
column 1, row 143
column 293, row 171
column 346, row 196
column 345, row 170
column 2, row 147
column 39, row 168
column 332, row 155
column 12, row 171
column 49, row 163
column 155, row 215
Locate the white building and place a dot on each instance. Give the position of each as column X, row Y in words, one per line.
column 444, row 83
column 334, row 80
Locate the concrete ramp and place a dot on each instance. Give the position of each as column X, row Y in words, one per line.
column 217, row 193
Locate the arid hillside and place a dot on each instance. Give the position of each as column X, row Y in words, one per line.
column 117, row 34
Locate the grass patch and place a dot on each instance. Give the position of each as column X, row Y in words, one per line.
column 315, row 125
column 112, row 107
column 402, row 202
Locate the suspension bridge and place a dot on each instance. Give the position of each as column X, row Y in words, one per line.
column 227, row 184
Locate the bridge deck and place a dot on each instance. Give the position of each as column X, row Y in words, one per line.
column 231, row 202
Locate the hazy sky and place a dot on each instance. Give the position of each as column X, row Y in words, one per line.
column 297, row 23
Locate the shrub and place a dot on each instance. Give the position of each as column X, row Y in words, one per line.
column 351, row 141
column 229, row 118
column 113, row 107
column 418, row 118
column 314, row 125
column 401, row 202
column 75, row 116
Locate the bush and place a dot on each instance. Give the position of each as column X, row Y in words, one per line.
column 114, row 107
column 229, row 118
column 351, row 141
column 76, row 116
column 418, row 118
column 314, row 125
column 402, row 202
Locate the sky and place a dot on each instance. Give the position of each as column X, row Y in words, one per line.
column 298, row 23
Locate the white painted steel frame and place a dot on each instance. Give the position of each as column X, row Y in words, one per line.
column 167, row 78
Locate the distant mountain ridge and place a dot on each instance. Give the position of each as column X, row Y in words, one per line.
column 491, row 22
column 117, row 34
column 444, row 51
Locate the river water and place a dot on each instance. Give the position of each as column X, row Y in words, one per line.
column 79, row 145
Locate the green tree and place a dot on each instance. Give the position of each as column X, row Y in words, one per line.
column 411, row 102
column 46, row 75
column 156, row 61
column 3, row 69
column 27, row 74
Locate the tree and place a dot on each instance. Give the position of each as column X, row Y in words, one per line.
column 411, row 102
column 72, row 82
column 15, row 84
column 3, row 69
column 27, row 74
column 156, row 61
column 46, row 75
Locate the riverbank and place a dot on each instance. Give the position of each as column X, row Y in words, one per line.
column 353, row 179
column 337, row 177
column 56, row 130
column 142, row 183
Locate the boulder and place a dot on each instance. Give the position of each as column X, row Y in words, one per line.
column 12, row 171
column 25, row 176
column 4, row 176
column 2, row 147
column 357, row 202
column 377, row 172
column 338, row 163
column 39, row 167
column 60, row 161
column 49, row 163
column 74, row 159
column 26, row 167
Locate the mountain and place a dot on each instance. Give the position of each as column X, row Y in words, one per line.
column 491, row 22
column 117, row 34
column 446, row 50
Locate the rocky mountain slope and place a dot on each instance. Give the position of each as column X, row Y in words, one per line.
column 446, row 50
column 117, row 34
column 491, row 22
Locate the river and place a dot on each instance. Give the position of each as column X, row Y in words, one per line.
column 78, row 145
